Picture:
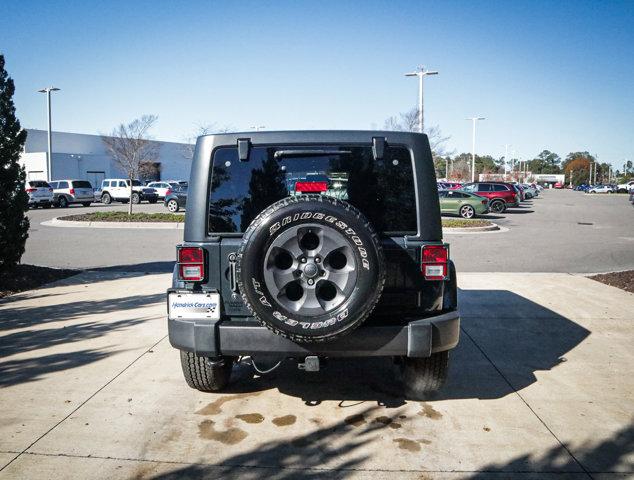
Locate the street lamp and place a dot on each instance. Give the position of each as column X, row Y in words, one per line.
column 257, row 128
column 48, row 91
column 420, row 73
column 506, row 158
column 473, row 120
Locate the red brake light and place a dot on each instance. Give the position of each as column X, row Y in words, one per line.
column 311, row 187
column 168, row 192
column 434, row 262
column 484, row 202
column 31, row 190
column 72, row 191
column 191, row 265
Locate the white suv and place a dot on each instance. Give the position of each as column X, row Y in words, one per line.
column 119, row 189
column 163, row 186
column 40, row 193
column 67, row 192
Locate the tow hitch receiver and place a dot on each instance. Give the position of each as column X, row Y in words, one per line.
column 311, row 364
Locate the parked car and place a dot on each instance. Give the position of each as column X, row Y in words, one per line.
column 465, row 204
column 559, row 185
column 68, row 192
column 625, row 187
column 40, row 193
column 118, row 189
column 311, row 268
column 176, row 198
column 529, row 191
column 501, row 195
column 601, row 189
column 163, row 186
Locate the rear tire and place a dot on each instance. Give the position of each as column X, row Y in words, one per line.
column 498, row 206
column 172, row 206
column 422, row 376
column 136, row 198
column 62, row 202
column 204, row 373
column 106, row 199
column 467, row 211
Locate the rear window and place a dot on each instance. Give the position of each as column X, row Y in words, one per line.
column 382, row 189
column 62, row 185
column 81, row 184
column 38, row 183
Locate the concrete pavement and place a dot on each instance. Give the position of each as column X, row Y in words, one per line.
column 540, row 387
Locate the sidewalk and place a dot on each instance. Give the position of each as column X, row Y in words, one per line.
column 540, row 385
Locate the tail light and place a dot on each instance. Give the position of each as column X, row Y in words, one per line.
column 72, row 191
column 31, row 190
column 311, row 187
column 168, row 192
column 434, row 262
column 191, row 264
column 484, row 202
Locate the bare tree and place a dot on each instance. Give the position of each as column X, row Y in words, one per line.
column 131, row 148
column 200, row 129
column 408, row 122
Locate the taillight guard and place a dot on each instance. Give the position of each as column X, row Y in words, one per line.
column 434, row 259
column 191, row 264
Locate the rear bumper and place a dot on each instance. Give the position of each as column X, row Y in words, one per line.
column 419, row 338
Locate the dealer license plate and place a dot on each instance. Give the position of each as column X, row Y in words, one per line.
column 193, row 306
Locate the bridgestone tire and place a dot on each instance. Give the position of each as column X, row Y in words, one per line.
column 346, row 255
column 422, row 376
column 206, row 374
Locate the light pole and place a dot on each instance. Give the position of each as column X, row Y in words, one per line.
column 257, row 128
column 506, row 158
column 420, row 73
column 590, row 179
column 473, row 120
column 48, row 91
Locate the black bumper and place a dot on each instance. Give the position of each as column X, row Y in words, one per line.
column 419, row 338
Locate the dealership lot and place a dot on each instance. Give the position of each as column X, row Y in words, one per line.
column 539, row 387
column 560, row 231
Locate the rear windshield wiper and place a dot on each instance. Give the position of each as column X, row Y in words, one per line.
column 309, row 153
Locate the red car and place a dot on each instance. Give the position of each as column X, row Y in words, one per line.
column 501, row 195
column 559, row 185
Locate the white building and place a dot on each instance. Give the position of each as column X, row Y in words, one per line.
column 84, row 157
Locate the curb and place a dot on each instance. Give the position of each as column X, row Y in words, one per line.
column 56, row 222
column 475, row 230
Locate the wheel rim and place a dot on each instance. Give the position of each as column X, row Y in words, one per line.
column 171, row 206
column 466, row 211
column 62, row 202
column 310, row 269
column 496, row 207
column 135, row 199
column 106, row 198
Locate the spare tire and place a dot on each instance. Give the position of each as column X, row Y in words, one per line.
column 310, row 268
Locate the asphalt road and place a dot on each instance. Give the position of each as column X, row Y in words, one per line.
column 561, row 231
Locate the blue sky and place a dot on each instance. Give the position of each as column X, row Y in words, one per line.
column 556, row 75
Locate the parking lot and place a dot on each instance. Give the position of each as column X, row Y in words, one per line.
column 560, row 231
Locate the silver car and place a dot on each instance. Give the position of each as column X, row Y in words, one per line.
column 67, row 192
column 40, row 193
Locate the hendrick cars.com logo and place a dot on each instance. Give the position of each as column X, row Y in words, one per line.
column 211, row 306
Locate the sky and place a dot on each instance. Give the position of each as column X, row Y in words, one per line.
column 555, row 75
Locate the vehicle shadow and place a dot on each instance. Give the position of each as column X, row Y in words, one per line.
column 512, row 211
column 488, row 363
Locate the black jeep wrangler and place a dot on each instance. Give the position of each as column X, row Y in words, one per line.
column 309, row 245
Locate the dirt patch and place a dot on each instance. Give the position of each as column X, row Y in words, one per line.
column 27, row 277
column 388, row 422
column 407, row 444
column 231, row 436
column 623, row 280
column 284, row 421
column 429, row 412
column 251, row 417
column 355, row 420
column 215, row 407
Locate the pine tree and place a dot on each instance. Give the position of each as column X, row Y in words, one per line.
column 14, row 225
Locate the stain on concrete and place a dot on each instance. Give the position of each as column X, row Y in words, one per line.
column 429, row 412
column 172, row 436
column 486, row 429
column 231, row 436
column 284, row 421
column 215, row 407
column 387, row 421
column 407, row 444
column 251, row 417
column 424, row 442
column 355, row 420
